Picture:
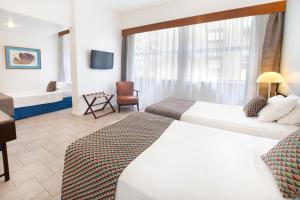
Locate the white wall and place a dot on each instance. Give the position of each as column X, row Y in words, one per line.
column 16, row 80
column 96, row 26
column 182, row 8
column 57, row 11
column 291, row 54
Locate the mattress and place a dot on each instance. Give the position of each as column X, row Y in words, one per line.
column 232, row 118
column 38, row 97
column 195, row 162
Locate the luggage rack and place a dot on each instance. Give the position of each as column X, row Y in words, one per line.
column 98, row 96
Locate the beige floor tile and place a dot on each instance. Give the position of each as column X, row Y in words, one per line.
column 53, row 184
column 36, row 144
column 32, row 156
column 43, row 176
column 28, row 172
column 56, row 197
column 57, row 150
column 43, row 196
column 27, row 191
column 56, row 165
column 15, row 148
column 5, row 187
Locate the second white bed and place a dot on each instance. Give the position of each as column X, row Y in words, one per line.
column 232, row 118
column 200, row 163
column 38, row 97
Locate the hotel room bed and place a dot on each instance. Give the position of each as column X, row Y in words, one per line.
column 150, row 157
column 32, row 103
column 225, row 117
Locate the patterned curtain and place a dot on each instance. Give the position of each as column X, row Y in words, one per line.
column 271, row 55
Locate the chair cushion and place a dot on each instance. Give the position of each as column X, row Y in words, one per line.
column 252, row 108
column 124, row 100
column 284, row 162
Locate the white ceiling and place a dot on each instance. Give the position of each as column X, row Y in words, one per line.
column 130, row 5
column 27, row 25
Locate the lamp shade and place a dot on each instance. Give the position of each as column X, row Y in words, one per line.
column 270, row 77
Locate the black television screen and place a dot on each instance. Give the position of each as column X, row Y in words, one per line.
column 102, row 60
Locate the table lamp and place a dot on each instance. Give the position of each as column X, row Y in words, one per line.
column 270, row 77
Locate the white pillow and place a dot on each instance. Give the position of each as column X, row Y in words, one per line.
column 63, row 86
column 292, row 118
column 278, row 97
column 277, row 108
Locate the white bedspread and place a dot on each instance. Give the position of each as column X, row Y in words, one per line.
column 232, row 118
column 31, row 98
column 191, row 162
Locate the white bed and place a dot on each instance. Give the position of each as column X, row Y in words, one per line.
column 38, row 97
column 194, row 162
column 233, row 118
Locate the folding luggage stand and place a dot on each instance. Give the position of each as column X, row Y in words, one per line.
column 99, row 95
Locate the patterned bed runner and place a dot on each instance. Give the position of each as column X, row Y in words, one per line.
column 7, row 104
column 94, row 163
column 171, row 107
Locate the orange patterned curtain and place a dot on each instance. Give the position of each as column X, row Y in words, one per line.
column 271, row 54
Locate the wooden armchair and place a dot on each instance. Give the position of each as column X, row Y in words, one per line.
column 126, row 94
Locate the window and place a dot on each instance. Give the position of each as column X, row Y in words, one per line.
column 214, row 58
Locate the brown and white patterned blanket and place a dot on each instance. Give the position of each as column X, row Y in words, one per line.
column 7, row 104
column 171, row 107
column 94, row 163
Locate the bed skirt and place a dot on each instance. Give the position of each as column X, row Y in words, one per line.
column 30, row 111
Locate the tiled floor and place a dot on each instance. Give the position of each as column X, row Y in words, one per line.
column 36, row 158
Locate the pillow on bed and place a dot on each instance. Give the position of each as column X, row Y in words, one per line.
column 254, row 106
column 275, row 98
column 63, row 86
column 51, row 86
column 284, row 162
column 292, row 118
column 277, row 108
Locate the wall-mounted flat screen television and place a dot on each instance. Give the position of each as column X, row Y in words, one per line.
column 102, row 60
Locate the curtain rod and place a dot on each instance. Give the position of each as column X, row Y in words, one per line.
column 261, row 9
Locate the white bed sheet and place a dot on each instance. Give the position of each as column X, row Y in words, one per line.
column 31, row 98
column 233, row 118
column 65, row 93
column 191, row 162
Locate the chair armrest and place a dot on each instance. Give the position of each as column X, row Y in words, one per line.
column 137, row 92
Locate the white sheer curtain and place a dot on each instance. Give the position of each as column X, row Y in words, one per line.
column 65, row 59
column 214, row 62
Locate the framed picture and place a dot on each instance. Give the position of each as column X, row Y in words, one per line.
column 22, row 58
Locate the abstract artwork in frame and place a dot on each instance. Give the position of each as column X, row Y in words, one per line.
column 22, row 58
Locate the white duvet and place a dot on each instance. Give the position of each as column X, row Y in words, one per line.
column 38, row 97
column 232, row 118
column 191, row 162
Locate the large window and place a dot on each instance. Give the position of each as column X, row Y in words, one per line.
column 214, row 61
